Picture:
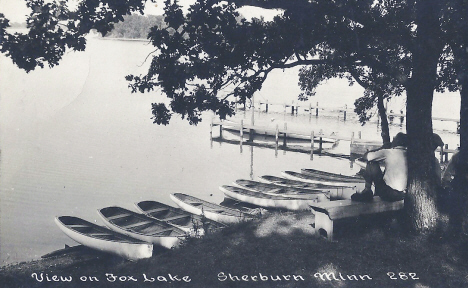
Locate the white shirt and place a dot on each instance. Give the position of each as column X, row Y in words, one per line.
column 396, row 166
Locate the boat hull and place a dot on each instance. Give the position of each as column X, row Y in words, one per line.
column 211, row 211
column 285, row 191
column 192, row 224
column 267, row 201
column 318, row 180
column 168, row 241
column 332, row 176
column 128, row 250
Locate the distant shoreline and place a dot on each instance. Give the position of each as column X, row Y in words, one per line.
column 126, row 39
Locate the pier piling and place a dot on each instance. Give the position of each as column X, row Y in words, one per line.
column 312, row 144
column 276, row 137
column 241, row 131
column 446, row 153
column 285, row 135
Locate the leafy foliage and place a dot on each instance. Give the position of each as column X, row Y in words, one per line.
column 53, row 28
column 136, row 26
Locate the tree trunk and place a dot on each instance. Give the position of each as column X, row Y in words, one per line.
column 420, row 205
column 461, row 59
column 383, row 116
column 459, row 183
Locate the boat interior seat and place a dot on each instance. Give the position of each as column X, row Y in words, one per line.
column 133, row 225
column 176, row 217
column 156, row 210
column 118, row 216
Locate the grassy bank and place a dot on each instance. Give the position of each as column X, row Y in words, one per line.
column 277, row 251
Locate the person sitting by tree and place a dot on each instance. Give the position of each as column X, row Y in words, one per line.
column 390, row 185
column 454, row 183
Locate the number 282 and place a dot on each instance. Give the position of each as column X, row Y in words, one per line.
column 402, row 276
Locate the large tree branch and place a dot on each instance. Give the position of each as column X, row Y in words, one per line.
column 356, row 76
column 270, row 4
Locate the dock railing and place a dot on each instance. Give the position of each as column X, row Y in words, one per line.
column 342, row 111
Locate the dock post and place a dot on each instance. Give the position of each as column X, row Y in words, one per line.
column 402, row 118
column 344, row 112
column 312, row 144
column 292, row 109
column 310, row 109
column 266, row 107
column 241, row 131
column 285, row 135
column 211, row 129
column 316, row 110
column 446, row 153
column 359, row 135
column 320, row 145
column 441, row 154
column 352, row 137
column 276, row 137
column 220, row 130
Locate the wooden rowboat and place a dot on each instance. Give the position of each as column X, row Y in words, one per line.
column 319, row 180
column 272, row 189
column 336, row 191
column 265, row 200
column 210, row 210
column 281, row 181
column 332, row 176
column 141, row 227
column 103, row 239
column 190, row 223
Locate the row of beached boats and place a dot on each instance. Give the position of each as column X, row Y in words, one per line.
column 132, row 235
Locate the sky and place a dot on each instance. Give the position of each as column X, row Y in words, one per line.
column 16, row 10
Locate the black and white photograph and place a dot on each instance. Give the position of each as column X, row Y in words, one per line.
column 234, row 143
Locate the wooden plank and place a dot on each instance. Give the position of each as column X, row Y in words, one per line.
column 156, row 210
column 118, row 216
column 136, row 224
column 347, row 208
column 99, row 234
column 160, row 231
column 77, row 226
column 176, row 217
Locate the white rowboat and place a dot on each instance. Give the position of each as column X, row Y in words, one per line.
column 210, row 210
column 265, row 200
column 190, row 223
column 141, row 227
column 103, row 239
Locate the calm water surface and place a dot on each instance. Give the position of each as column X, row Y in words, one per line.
column 74, row 139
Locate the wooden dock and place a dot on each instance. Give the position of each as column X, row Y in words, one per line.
column 358, row 146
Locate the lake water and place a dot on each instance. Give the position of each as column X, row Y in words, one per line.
column 74, row 139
